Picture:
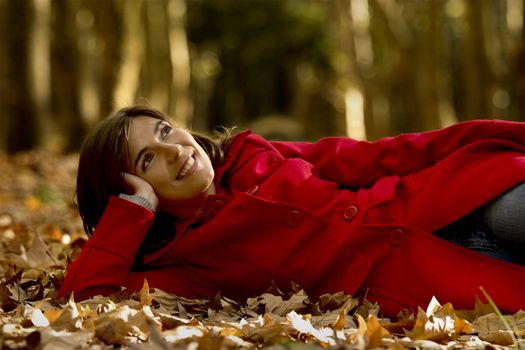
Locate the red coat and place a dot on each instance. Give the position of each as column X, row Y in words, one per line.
column 334, row 215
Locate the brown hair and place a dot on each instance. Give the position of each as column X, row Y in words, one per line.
column 104, row 156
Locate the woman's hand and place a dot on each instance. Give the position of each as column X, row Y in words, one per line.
column 137, row 185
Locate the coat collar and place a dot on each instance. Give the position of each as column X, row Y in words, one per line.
column 231, row 156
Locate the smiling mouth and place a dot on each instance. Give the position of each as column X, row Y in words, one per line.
column 186, row 167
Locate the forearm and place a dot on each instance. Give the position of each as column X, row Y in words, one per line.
column 105, row 262
column 359, row 163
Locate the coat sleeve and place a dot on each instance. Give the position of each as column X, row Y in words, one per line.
column 355, row 163
column 104, row 264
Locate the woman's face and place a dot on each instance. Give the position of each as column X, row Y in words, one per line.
column 170, row 159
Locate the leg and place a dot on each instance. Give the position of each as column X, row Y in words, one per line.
column 474, row 233
column 505, row 216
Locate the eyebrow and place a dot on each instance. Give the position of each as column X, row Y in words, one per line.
column 157, row 126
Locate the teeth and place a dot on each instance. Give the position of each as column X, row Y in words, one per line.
column 186, row 167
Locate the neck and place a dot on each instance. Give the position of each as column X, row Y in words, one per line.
column 190, row 208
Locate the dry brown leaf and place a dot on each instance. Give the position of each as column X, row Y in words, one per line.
column 145, row 297
column 492, row 328
column 439, row 323
column 480, row 309
column 38, row 255
column 38, row 319
column 375, row 332
column 341, row 322
column 306, row 331
column 53, row 314
column 64, row 340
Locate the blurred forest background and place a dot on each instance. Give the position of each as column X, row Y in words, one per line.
column 289, row 69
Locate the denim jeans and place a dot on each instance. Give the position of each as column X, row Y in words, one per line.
column 505, row 216
column 496, row 230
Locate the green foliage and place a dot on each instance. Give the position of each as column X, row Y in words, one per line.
column 258, row 45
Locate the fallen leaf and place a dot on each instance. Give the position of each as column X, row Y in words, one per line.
column 38, row 319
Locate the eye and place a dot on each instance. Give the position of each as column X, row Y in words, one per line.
column 146, row 161
column 165, row 130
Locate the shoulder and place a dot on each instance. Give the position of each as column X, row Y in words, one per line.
column 247, row 148
column 247, row 143
column 256, row 141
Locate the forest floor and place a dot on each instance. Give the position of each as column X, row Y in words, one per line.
column 40, row 232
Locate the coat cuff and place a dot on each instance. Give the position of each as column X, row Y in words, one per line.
column 138, row 199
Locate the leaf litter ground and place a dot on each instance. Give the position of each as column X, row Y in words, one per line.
column 40, row 232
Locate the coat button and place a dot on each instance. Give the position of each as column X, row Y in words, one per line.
column 397, row 237
column 217, row 206
column 350, row 213
column 253, row 190
column 294, row 218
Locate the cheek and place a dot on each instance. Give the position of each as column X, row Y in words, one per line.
column 206, row 161
column 212, row 172
column 158, row 178
column 207, row 170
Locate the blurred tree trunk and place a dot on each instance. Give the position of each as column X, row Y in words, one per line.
column 205, row 67
column 427, row 56
column 4, row 74
column 496, row 39
column 317, row 107
column 180, row 101
column 65, row 70
column 389, row 85
column 20, row 127
column 387, row 34
column 476, row 79
column 156, row 73
column 350, row 79
column 377, row 120
column 108, row 27
column 316, row 113
column 132, row 55
column 40, row 73
column 519, row 77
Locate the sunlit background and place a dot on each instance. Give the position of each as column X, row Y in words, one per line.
column 289, row 69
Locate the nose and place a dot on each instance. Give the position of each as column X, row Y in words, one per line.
column 172, row 150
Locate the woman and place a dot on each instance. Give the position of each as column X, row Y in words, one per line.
column 195, row 215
